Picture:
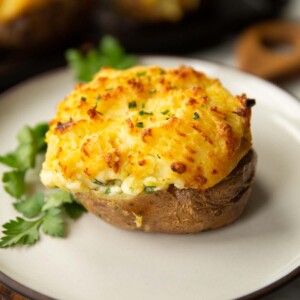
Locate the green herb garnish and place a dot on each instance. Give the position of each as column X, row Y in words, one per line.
column 141, row 74
column 140, row 125
column 107, row 191
column 46, row 210
column 108, row 54
column 196, row 116
column 162, row 72
column 132, row 104
column 83, row 99
column 149, row 189
column 152, row 91
column 98, row 182
column 165, row 112
column 141, row 113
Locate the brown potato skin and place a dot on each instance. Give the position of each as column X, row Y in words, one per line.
column 179, row 211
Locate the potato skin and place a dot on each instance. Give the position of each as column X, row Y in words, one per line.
column 175, row 210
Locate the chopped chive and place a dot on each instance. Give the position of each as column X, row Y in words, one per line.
column 98, row 97
column 132, row 104
column 140, row 125
column 152, row 91
column 141, row 74
column 107, row 191
column 143, row 105
column 108, row 89
column 158, row 156
column 83, row 99
column 196, row 116
column 149, row 189
column 162, row 72
column 203, row 105
column 165, row 112
column 98, row 182
column 141, row 113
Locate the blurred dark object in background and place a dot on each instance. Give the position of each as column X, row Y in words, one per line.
column 182, row 25
column 270, row 49
column 37, row 24
column 34, row 39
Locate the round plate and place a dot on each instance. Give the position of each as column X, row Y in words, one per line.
column 97, row 260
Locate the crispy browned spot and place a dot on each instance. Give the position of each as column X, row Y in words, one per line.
column 83, row 147
column 93, row 113
column 178, row 167
column 242, row 112
column 201, row 179
column 111, row 162
column 180, row 133
column 146, row 132
column 142, row 162
column 188, row 158
column 137, row 85
column 192, row 101
column 61, row 127
column 129, row 123
column 86, row 171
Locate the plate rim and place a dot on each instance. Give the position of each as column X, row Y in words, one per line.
column 265, row 290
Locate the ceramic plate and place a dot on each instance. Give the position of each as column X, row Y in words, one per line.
column 98, row 261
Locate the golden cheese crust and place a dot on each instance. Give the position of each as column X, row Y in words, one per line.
column 144, row 129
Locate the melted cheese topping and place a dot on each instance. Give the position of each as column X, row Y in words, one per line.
column 11, row 9
column 143, row 129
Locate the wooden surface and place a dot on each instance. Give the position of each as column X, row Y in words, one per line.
column 7, row 294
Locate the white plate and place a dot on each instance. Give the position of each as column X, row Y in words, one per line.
column 98, row 261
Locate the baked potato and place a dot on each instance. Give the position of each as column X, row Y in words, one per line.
column 33, row 23
column 154, row 149
column 157, row 10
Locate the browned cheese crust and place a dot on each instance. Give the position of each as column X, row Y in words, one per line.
column 178, row 210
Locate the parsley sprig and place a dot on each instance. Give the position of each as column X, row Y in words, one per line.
column 39, row 211
column 108, row 54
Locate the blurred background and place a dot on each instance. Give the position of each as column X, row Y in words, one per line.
column 34, row 34
column 259, row 36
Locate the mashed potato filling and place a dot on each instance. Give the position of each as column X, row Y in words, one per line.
column 144, row 129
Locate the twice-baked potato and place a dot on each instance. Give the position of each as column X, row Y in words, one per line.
column 154, row 149
column 33, row 23
column 157, row 10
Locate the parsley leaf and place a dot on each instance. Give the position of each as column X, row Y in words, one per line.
column 39, row 132
column 57, row 198
column 9, row 160
column 31, row 141
column 74, row 210
column 32, row 206
column 53, row 223
column 20, row 232
column 109, row 53
column 14, row 183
